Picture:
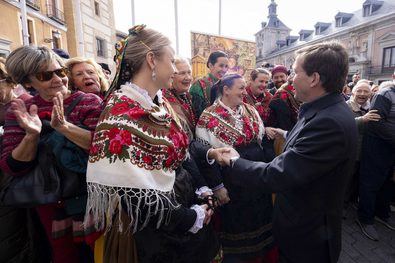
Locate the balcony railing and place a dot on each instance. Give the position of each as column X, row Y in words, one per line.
column 378, row 70
column 55, row 14
column 35, row 4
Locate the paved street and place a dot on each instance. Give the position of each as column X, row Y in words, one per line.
column 358, row 249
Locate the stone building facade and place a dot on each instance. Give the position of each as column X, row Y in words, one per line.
column 45, row 21
column 84, row 28
column 368, row 34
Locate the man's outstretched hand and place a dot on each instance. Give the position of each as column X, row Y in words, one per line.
column 223, row 155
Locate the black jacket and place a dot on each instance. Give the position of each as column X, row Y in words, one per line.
column 310, row 179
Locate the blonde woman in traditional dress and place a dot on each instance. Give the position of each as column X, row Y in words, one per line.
column 137, row 146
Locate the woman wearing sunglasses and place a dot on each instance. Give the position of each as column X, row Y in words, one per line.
column 41, row 69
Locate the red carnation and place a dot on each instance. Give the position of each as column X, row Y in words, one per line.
column 120, row 108
column 115, row 147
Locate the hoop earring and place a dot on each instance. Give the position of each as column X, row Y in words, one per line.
column 153, row 75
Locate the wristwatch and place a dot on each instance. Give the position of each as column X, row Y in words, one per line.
column 232, row 161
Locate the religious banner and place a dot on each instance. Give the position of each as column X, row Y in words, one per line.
column 241, row 53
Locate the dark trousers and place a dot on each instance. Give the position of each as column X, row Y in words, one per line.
column 377, row 161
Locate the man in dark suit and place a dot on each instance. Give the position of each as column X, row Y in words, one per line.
column 311, row 174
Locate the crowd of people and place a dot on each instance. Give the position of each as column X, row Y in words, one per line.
column 149, row 165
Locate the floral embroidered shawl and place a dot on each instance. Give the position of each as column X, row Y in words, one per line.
column 260, row 103
column 220, row 126
column 136, row 148
column 182, row 105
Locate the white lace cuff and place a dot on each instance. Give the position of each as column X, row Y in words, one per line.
column 199, row 219
column 203, row 190
column 209, row 161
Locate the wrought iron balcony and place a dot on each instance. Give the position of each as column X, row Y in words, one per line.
column 35, row 4
column 55, row 13
column 379, row 69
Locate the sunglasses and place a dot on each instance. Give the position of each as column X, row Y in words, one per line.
column 47, row 75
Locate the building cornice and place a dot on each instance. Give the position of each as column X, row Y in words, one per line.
column 345, row 31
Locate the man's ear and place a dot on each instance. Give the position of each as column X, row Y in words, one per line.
column 315, row 79
column 150, row 58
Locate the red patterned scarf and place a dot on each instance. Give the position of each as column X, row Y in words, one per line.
column 135, row 150
column 221, row 126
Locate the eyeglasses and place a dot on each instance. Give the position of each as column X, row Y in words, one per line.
column 47, row 75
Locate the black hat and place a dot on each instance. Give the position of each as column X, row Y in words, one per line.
column 61, row 53
column 105, row 67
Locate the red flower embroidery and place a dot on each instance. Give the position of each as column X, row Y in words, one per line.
column 201, row 122
column 147, row 159
column 179, row 138
column 248, row 133
column 240, row 140
column 94, row 149
column 256, row 127
column 171, row 155
column 136, row 113
column 115, row 147
column 113, row 132
column 126, row 137
column 213, row 122
column 283, row 96
column 120, row 108
column 224, row 136
column 222, row 112
column 171, row 100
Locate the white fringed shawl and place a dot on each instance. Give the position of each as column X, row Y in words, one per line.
column 135, row 150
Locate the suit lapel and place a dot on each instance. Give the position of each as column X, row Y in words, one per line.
column 293, row 133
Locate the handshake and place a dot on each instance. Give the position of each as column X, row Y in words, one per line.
column 223, row 155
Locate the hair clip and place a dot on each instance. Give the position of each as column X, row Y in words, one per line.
column 136, row 29
column 149, row 49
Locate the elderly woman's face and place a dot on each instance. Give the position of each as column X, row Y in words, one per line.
column 85, row 78
column 236, row 93
column 182, row 78
column 50, row 81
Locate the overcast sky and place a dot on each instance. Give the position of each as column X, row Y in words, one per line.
column 240, row 18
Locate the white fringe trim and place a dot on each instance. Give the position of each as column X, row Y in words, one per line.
column 104, row 201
